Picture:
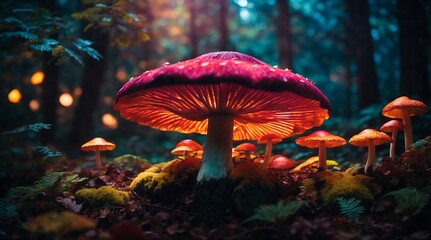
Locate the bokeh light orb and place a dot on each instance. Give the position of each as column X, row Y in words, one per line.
column 37, row 78
column 34, row 105
column 14, row 96
column 109, row 120
column 66, row 100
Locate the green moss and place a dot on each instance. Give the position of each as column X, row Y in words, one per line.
column 153, row 184
column 339, row 184
column 103, row 196
column 165, row 180
column 253, row 186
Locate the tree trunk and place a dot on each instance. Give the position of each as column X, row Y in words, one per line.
column 223, row 27
column 413, row 34
column 362, row 50
column 50, row 86
column 92, row 82
column 284, row 34
column 193, row 34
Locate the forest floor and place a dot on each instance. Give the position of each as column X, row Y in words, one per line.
column 392, row 202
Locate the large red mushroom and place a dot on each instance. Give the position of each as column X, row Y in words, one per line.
column 227, row 96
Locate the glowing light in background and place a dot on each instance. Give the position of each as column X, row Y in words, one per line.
column 109, row 121
column 77, row 91
column 121, row 74
column 34, row 105
column 66, row 99
column 242, row 3
column 108, row 100
column 14, row 96
column 37, row 78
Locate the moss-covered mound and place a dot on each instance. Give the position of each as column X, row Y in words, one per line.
column 103, row 196
column 253, row 186
column 163, row 181
column 334, row 185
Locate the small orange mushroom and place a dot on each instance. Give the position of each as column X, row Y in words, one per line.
column 322, row 140
column 247, row 149
column 392, row 126
column 404, row 108
column 98, row 144
column 188, row 148
column 280, row 162
column 370, row 138
column 190, row 143
column 269, row 139
column 183, row 152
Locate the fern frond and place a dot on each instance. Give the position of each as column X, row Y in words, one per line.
column 84, row 45
column 21, row 34
column 276, row 212
column 46, row 152
column 22, row 193
column 7, row 210
column 33, row 127
column 409, row 200
column 351, row 208
column 73, row 55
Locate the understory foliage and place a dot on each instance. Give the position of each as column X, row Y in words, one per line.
column 277, row 212
column 351, row 208
column 122, row 18
column 409, row 200
column 17, row 195
column 41, row 31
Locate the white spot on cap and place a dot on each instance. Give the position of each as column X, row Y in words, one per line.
column 301, row 80
column 272, row 69
column 181, row 66
column 223, row 63
column 204, row 64
column 166, row 64
column 255, row 65
column 237, row 62
column 284, row 79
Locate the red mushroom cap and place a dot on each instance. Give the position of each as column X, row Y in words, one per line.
column 261, row 98
column 312, row 140
column 191, row 144
column 395, row 108
column 361, row 139
column 280, row 162
column 246, row 147
column 392, row 125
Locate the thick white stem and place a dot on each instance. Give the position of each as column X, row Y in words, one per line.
column 392, row 147
column 408, row 132
column 371, row 155
column 217, row 157
column 322, row 156
column 268, row 152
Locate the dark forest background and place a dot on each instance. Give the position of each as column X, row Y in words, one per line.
column 361, row 54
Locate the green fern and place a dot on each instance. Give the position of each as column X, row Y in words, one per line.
column 7, row 210
column 409, row 200
column 22, row 193
column 351, row 208
column 46, row 152
column 277, row 212
column 31, row 127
